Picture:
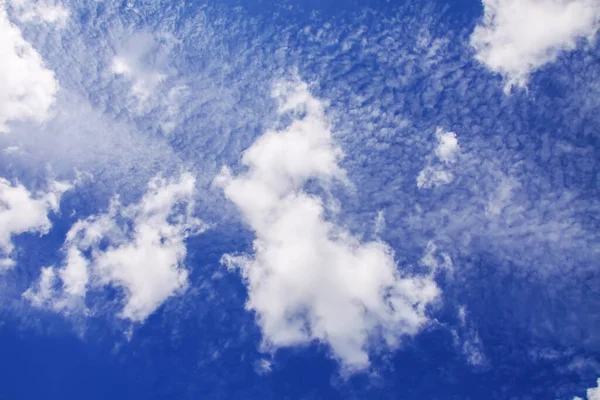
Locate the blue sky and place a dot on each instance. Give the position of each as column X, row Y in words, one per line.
column 299, row 200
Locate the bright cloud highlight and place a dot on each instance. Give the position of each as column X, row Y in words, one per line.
column 436, row 172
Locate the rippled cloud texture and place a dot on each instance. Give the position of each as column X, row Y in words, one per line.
column 298, row 200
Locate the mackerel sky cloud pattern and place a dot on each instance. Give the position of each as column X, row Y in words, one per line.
column 302, row 200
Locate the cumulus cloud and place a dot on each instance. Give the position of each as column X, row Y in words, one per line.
column 37, row 11
column 310, row 279
column 22, row 211
column 139, row 249
column 435, row 172
column 27, row 87
column 592, row 393
column 516, row 37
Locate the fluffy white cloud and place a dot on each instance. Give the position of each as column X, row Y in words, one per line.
column 37, row 11
column 592, row 393
column 138, row 248
column 21, row 211
column 27, row 87
column 308, row 278
column 435, row 172
column 516, row 37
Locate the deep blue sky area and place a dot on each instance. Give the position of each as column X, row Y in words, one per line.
column 478, row 175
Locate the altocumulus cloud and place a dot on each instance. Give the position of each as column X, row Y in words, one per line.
column 139, row 248
column 516, row 37
column 308, row 278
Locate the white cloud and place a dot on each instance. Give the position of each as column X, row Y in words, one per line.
column 467, row 339
column 138, row 248
column 435, row 259
column 27, row 87
column 36, row 11
column 134, row 61
column 435, row 172
column 22, row 211
column 310, row 279
column 516, row 37
column 263, row 367
column 592, row 393
column 447, row 146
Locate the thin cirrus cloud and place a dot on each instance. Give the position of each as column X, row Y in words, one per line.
column 22, row 211
column 139, row 248
column 516, row 37
column 308, row 278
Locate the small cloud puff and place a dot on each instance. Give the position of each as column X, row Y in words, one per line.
column 435, row 172
column 139, row 60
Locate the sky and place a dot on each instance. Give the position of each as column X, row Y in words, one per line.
column 300, row 199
